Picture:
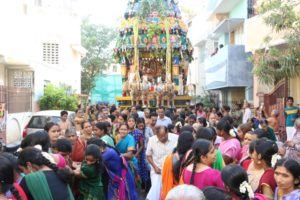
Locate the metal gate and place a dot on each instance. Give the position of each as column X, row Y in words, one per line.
column 276, row 101
column 18, row 93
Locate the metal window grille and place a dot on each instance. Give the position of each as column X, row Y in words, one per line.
column 251, row 10
column 51, row 53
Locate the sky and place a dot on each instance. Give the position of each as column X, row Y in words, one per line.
column 110, row 12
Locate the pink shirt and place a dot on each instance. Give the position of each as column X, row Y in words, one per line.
column 230, row 148
column 201, row 114
column 201, row 179
column 61, row 161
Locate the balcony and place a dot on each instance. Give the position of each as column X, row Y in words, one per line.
column 229, row 67
column 227, row 26
column 220, row 6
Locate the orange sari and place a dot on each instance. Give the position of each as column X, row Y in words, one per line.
column 168, row 179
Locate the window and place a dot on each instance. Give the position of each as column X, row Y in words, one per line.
column 22, row 79
column 51, row 53
column 251, row 8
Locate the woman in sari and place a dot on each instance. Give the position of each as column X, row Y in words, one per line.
column 195, row 172
column 287, row 176
column 126, row 146
column 260, row 172
column 121, row 183
column 87, row 131
column 41, row 140
column 90, row 184
column 172, row 164
column 211, row 135
column 101, row 131
column 139, row 139
column 43, row 180
column 237, row 185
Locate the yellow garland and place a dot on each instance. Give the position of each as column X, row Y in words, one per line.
column 168, row 53
column 136, row 50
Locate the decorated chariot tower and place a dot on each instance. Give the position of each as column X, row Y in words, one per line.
column 154, row 52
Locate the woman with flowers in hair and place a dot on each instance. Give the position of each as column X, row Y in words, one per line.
column 263, row 153
column 236, row 183
column 230, row 146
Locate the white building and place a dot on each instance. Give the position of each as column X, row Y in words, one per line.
column 39, row 43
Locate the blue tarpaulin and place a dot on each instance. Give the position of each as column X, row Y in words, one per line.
column 107, row 88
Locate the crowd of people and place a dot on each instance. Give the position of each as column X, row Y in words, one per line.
column 161, row 154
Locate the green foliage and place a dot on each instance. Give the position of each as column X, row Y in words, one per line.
column 58, row 98
column 96, row 39
column 275, row 64
column 207, row 100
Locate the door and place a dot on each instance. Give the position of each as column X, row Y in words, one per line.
column 20, row 90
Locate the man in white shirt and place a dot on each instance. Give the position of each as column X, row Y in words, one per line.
column 159, row 146
column 162, row 120
column 247, row 112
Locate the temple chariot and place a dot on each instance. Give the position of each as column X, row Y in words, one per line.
column 154, row 53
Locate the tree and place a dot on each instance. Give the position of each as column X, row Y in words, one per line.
column 58, row 98
column 274, row 64
column 96, row 39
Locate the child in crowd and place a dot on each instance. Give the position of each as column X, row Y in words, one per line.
column 64, row 148
column 90, row 185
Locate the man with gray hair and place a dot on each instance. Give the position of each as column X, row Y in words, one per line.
column 185, row 192
column 293, row 145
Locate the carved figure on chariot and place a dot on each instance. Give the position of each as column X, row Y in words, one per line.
column 135, row 92
column 159, row 92
column 125, row 87
column 145, row 87
column 169, row 91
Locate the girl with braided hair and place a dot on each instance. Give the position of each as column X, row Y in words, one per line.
column 43, row 179
column 16, row 172
column 236, row 183
column 197, row 172
column 171, row 167
column 9, row 189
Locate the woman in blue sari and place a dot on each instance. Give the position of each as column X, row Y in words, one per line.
column 140, row 155
column 121, row 183
column 126, row 146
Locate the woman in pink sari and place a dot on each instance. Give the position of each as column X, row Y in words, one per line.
column 230, row 147
column 196, row 173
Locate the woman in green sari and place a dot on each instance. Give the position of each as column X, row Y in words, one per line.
column 90, row 184
column 43, row 180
